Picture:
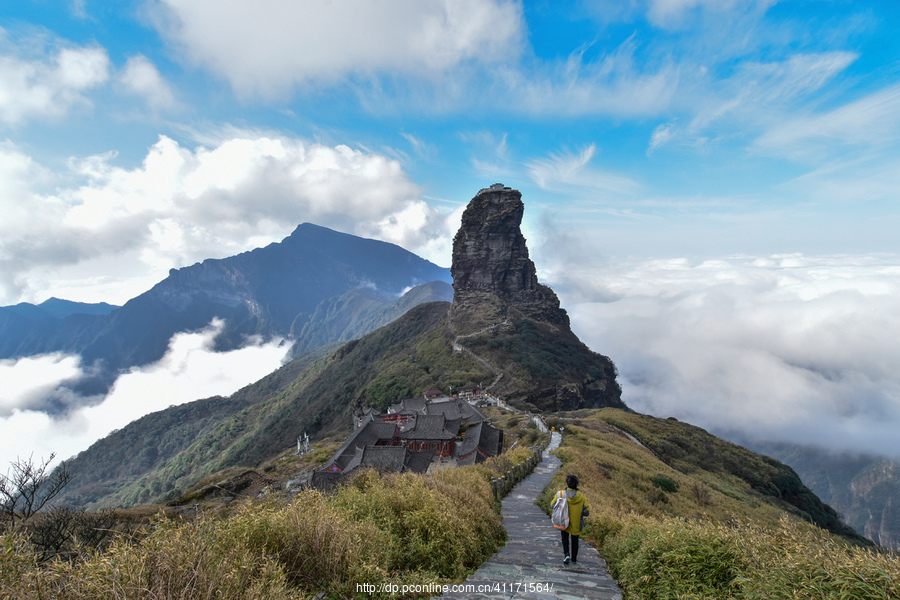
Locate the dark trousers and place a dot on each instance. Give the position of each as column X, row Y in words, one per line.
column 565, row 540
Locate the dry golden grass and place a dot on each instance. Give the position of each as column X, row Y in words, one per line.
column 715, row 537
column 396, row 528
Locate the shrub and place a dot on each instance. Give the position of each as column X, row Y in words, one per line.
column 175, row 560
column 728, row 542
column 433, row 523
column 674, row 559
column 664, row 483
column 701, row 494
column 66, row 533
column 409, row 528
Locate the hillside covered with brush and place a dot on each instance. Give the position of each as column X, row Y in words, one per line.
column 712, row 520
column 679, row 513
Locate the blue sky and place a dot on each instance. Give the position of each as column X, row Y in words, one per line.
column 665, row 127
column 675, row 157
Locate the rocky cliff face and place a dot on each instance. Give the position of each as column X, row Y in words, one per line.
column 491, row 269
column 872, row 510
column 509, row 321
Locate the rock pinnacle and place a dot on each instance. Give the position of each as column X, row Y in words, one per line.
column 491, row 270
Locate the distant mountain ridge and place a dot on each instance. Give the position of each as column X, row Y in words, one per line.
column 27, row 329
column 56, row 308
column 864, row 489
column 274, row 291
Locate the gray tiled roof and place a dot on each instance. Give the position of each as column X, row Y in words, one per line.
column 418, row 462
column 428, row 427
column 480, row 436
column 368, row 435
column 490, row 439
column 453, row 426
column 456, row 409
column 470, row 441
column 384, row 458
column 325, row 480
column 413, row 404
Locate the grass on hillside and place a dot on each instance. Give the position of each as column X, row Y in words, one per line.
column 398, row 529
column 703, row 530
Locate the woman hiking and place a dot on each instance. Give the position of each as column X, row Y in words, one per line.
column 578, row 510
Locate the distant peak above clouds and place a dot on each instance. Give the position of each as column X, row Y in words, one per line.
column 99, row 223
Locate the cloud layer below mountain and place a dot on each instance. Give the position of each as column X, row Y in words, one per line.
column 781, row 348
column 190, row 370
column 788, row 348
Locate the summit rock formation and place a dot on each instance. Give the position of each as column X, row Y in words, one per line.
column 492, row 272
column 503, row 316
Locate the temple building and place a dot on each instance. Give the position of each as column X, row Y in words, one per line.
column 418, row 434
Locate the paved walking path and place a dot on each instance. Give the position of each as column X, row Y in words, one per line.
column 530, row 565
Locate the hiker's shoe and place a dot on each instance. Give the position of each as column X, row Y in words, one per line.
column 566, row 560
column 574, row 562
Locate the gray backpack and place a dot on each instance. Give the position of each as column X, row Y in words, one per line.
column 559, row 515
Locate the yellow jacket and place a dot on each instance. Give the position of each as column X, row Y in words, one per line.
column 576, row 502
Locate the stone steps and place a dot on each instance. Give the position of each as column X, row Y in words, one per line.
column 530, row 565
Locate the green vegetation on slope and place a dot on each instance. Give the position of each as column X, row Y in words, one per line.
column 112, row 463
column 690, row 449
column 160, row 456
column 715, row 522
column 545, row 368
column 395, row 362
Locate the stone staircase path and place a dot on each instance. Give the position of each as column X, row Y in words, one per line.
column 530, row 565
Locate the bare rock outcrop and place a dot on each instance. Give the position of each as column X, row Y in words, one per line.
column 503, row 316
column 491, row 269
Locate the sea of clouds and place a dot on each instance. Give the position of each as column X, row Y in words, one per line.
column 781, row 348
column 190, row 370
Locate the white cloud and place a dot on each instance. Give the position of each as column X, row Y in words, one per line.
column 491, row 155
column 567, row 170
column 731, row 73
column 755, row 96
column 47, row 85
column 672, row 14
column 140, row 77
column 296, row 43
column 792, row 348
column 615, row 84
column 660, row 137
column 27, row 381
column 182, row 205
column 78, row 9
column 871, row 121
column 871, row 177
column 190, row 370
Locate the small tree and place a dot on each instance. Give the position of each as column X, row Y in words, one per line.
column 66, row 533
column 28, row 487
